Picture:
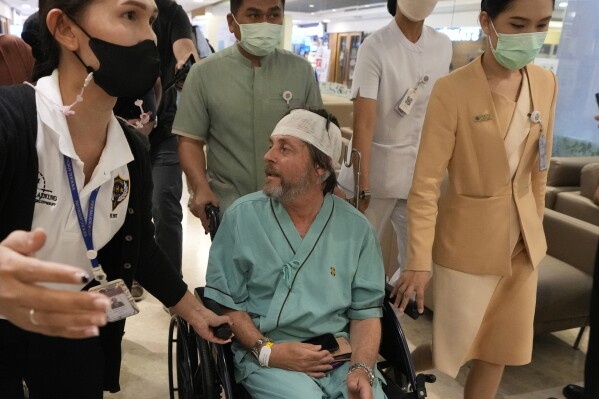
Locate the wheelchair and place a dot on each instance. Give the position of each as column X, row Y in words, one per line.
column 199, row 369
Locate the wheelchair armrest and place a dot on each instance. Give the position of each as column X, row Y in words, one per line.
column 224, row 330
column 412, row 308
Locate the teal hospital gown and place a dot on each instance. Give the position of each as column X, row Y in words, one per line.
column 295, row 288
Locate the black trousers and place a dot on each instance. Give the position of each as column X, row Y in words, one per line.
column 52, row 368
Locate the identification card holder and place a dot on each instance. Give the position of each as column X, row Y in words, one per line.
column 122, row 304
column 405, row 104
column 542, row 153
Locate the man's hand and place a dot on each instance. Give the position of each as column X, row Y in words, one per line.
column 67, row 314
column 298, row 356
column 410, row 282
column 197, row 205
column 358, row 385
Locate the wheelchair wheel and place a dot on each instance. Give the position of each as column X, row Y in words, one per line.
column 182, row 352
column 206, row 380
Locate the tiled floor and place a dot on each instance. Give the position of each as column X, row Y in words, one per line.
column 145, row 373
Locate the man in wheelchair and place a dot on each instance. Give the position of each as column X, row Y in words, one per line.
column 294, row 262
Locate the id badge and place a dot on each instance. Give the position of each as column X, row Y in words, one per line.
column 542, row 153
column 122, row 304
column 405, row 104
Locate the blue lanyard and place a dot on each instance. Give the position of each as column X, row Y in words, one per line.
column 86, row 226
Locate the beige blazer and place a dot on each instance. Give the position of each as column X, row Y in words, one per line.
column 468, row 228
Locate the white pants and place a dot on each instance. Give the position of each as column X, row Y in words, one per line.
column 380, row 213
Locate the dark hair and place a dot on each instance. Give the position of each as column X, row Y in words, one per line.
column 236, row 5
column 31, row 35
column 496, row 7
column 320, row 158
column 49, row 48
column 392, row 6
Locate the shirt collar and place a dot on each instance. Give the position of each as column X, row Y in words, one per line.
column 116, row 152
column 265, row 60
column 417, row 47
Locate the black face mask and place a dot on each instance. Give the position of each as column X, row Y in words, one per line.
column 125, row 71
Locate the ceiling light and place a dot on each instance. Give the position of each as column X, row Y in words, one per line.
column 334, row 10
column 311, row 5
column 563, row 4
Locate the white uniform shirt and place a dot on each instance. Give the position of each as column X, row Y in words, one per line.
column 388, row 64
column 54, row 210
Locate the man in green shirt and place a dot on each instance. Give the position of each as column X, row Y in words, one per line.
column 232, row 101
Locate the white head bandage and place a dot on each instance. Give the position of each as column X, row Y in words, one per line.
column 311, row 128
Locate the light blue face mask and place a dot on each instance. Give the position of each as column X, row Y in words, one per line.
column 515, row 51
column 259, row 39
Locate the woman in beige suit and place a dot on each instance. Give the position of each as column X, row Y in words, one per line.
column 488, row 127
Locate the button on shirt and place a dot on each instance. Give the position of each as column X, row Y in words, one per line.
column 54, row 209
column 234, row 107
column 389, row 64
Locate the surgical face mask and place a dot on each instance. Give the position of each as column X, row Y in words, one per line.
column 125, row 71
column 515, row 51
column 259, row 39
column 416, row 10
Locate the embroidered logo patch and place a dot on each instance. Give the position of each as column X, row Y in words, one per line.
column 44, row 195
column 332, row 271
column 120, row 191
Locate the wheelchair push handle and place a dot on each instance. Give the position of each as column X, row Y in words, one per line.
column 213, row 215
column 354, row 156
column 224, row 330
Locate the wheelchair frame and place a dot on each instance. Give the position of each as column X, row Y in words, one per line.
column 205, row 370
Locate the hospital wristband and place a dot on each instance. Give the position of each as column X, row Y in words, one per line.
column 264, row 355
column 258, row 345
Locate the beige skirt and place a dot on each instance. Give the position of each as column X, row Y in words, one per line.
column 484, row 317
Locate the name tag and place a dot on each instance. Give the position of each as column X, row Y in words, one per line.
column 122, row 304
column 542, row 152
column 483, row 117
column 405, row 104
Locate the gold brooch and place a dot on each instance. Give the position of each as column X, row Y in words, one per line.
column 332, row 271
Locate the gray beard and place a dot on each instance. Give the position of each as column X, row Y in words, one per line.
column 285, row 192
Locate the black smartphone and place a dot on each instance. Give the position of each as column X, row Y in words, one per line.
column 181, row 74
column 326, row 341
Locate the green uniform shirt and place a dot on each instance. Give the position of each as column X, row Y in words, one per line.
column 234, row 108
column 295, row 288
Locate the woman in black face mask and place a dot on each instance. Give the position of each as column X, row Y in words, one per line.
column 76, row 189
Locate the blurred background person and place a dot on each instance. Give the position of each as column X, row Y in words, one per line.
column 16, row 60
